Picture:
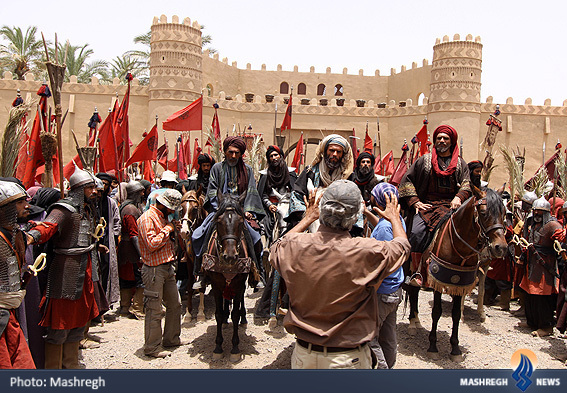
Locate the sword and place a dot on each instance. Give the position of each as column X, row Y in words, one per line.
column 32, row 270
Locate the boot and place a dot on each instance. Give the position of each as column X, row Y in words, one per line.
column 137, row 307
column 125, row 300
column 71, row 356
column 53, row 356
column 415, row 280
column 505, row 295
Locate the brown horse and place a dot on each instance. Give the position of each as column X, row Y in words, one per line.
column 192, row 216
column 227, row 264
column 454, row 258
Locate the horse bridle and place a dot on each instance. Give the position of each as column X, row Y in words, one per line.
column 238, row 239
column 484, row 232
column 191, row 222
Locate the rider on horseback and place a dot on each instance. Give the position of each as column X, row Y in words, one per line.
column 231, row 176
column 434, row 184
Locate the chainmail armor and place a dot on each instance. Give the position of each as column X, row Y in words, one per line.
column 9, row 269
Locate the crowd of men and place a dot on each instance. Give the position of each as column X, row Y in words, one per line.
column 109, row 244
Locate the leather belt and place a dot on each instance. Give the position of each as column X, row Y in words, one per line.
column 319, row 348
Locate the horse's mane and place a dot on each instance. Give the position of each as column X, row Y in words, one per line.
column 494, row 203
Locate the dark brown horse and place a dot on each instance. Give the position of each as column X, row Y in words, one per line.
column 453, row 262
column 227, row 264
column 192, row 216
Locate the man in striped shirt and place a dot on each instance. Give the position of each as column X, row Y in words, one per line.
column 157, row 249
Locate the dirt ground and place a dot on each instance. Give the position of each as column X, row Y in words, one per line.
column 487, row 345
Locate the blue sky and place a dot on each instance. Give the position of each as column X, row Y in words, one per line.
column 524, row 48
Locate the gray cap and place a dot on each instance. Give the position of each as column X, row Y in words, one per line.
column 10, row 192
column 344, row 193
column 133, row 187
column 80, row 178
column 541, row 204
column 170, row 198
column 529, row 197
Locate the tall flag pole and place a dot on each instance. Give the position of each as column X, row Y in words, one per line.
column 286, row 123
column 494, row 126
column 368, row 141
column 275, row 124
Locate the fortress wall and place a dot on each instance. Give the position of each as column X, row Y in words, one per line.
column 410, row 84
column 80, row 99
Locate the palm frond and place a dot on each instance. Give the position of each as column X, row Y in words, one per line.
column 539, row 182
column 561, row 181
column 12, row 138
column 514, row 171
column 257, row 156
column 216, row 149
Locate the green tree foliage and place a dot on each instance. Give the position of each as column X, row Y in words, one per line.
column 22, row 53
column 76, row 61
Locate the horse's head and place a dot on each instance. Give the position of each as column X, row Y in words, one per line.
column 230, row 226
column 491, row 219
column 191, row 206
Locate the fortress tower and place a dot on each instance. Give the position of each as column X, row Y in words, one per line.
column 455, row 88
column 175, row 66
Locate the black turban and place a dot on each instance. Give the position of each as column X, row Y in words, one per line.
column 205, row 158
column 271, row 149
column 364, row 155
column 105, row 176
column 475, row 164
column 235, row 141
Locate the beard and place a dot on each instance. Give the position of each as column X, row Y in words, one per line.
column 538, row 218
column 331, row 164
column 365, row 170
column 442, row 148
column 231, row 162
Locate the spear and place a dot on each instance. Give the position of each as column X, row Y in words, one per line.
column 543, row 154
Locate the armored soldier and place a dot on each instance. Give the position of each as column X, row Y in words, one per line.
column 540, row 277
column 69, row 302
column 14, row 351
column 131, row 285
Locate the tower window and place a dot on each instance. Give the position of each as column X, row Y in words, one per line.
column 284, row 88
column 339, row 90
column 301, row 89
column 321, row 89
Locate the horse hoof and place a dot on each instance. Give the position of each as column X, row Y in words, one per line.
column 187, row 318
column 217, row 356
column 456, row 358
column 482, row 317
column 272, row 323
column 235, row 357
column 433, row 355
column 201, row 317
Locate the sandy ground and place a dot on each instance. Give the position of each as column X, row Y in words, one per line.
column 487, row 345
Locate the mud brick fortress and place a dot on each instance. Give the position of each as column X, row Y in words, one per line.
column 446, row 90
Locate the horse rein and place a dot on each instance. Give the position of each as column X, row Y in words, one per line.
column 483, row 232
column 238, row 239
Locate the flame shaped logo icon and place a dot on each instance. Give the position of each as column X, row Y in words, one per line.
column 524, row 362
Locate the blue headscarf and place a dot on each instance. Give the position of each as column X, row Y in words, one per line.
column 336, row 140
column 379, row 193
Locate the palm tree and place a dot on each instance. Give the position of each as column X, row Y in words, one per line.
column 23, row 52
column 121, row 65
column 76, row 61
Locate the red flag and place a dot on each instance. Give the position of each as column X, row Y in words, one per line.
column 171, row 164
column 216, row 127
column 286, row 123
column 107, row 148
column 422, row 139
column 388, row 164
column 149, row 174
column 378, row 166
column 121, row 127
column 196, row 151
column 146, row 149
column 549, row 167
column 297, row 158
column 35, row 157
column 368, row 142
column 187, row 119
column 162, row 154
column 401, row 168
column 22, row 156
column 181, row 165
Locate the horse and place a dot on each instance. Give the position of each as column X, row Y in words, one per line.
column 192, row 216
column 454, row 260
column 228, row 265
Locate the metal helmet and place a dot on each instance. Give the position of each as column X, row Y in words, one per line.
column 133, row 187
column 99, row 184
column 80, row 178
column 10, row 192
column 541, row 204
column 529, row 197
column 170, row 198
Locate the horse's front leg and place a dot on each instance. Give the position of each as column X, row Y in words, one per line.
column 433, row 352
column 235, row 316
column 243, row 320
column 456, row 354
column 219, row 314
column 414, row 322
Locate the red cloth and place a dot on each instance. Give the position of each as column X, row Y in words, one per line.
column 107, row 148
column 35, row 157
column 68, row 314
column 196, row 151
column 149, row 174
column 181, row 164
column 121, row 129
column 187, row 152
column 388, row 164
column 146, row 149
column 216, row 129
column 454, row 155
column 368, row 142
column 400, row 170
column 22, row 156
column 422, row 139
column 286, row 123
column 187, row 119
column 296, row 163
column 14, row 350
